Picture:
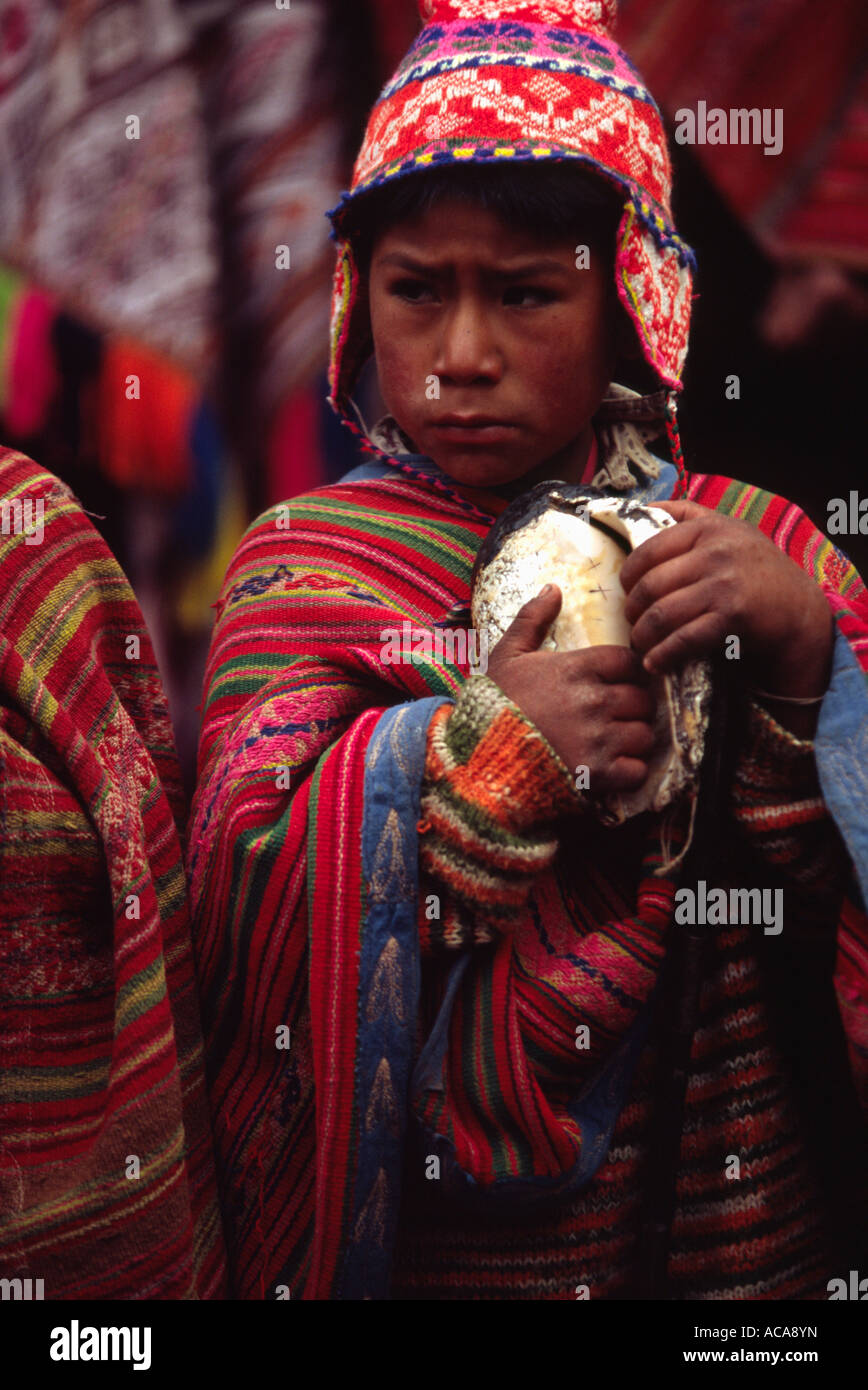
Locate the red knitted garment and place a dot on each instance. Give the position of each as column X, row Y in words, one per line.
column 107, row 1186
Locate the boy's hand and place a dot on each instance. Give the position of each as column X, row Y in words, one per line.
column 711, row 577
column 593, row 706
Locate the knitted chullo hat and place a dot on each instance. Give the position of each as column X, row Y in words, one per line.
column 491, row 80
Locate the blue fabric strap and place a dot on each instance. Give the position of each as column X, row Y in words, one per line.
column 841, row 754
column 388, row 999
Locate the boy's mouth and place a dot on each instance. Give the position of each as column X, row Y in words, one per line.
column 473, row 429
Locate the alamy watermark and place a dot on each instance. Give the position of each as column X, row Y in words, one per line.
column 848, row 516
column 737, row 126
column 23, row 1290
column 77, row 1343
column 25, row 518
column 743, row 907
column 459, row 646
column 852, row 1288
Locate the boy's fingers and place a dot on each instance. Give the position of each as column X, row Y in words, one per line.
column 631, row 702
column 531, row 623
column 671, row 612
column 627, row 774
column 661, row 580
column 636, row 739
column 682, row 509
column 612, row 664
column 697, row 639
column 666, row 545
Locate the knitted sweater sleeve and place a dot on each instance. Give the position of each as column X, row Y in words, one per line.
column 492, row 790
column 777, row 803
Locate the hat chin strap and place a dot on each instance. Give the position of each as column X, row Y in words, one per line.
column 360, row 417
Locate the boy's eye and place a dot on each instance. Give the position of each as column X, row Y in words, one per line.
column 405, row 289
column 541, row 295
column 413, row 290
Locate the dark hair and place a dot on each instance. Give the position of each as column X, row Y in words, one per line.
column 557, row 198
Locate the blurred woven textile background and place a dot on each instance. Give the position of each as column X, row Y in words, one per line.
column 806, row 60
column 154, row 155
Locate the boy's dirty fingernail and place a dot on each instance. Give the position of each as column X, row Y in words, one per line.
column 546, row 588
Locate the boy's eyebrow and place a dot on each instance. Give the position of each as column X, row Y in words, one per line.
column 537, row 267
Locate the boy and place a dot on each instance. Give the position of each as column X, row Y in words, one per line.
column 428, row 973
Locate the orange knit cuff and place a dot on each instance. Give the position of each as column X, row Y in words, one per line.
column 493, row 757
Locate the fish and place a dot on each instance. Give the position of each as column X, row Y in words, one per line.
column 578, row 537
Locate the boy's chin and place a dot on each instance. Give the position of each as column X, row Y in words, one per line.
column 516, row 469
column 503, row 478
column 486, row 473
column 494, row 482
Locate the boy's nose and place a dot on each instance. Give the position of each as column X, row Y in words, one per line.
column 467, row 348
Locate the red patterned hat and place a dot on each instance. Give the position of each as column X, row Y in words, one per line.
column 491, row 80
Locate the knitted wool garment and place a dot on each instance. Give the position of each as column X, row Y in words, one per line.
column 100, row 1043
column 487, row 81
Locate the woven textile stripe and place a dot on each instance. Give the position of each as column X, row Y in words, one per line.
column 100, row 1050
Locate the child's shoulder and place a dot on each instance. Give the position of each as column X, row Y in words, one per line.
column 21, row 476
column 330, row 504
column 381, row 508
column 774, row 514
column 736, row 497
column 33, row 502
column 338, row 536
column 783, row 521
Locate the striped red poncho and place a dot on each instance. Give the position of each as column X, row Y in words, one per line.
column 400, row 1103
column 107, row 1186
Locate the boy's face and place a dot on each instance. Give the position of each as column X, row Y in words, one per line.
column 457, row 295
